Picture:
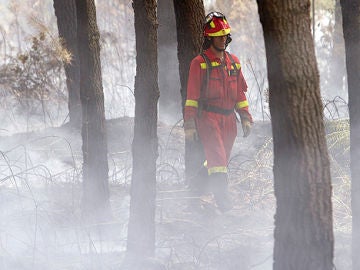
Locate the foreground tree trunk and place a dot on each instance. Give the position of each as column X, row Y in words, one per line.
column 351, row 29
column 189, row 24
column 303, row 222
column 141, row 228
column 95, row 201
column 65, row 11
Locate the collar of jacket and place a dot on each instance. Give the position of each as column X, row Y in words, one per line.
column 213, row 58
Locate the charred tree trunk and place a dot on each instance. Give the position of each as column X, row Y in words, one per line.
column 351, row 29
column 302, row 183
column 189, row 24
column 95, row 201
column 65, row 11
column 141, row 228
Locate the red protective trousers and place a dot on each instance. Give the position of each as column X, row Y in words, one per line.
column 216, row 122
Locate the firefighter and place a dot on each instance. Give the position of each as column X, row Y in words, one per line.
column 215, row 91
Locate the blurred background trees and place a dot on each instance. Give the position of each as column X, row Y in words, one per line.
column 34, row 21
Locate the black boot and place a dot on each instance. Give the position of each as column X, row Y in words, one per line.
column 219, row 187
column 198, row 186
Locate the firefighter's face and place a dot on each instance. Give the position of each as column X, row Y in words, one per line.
column 219, row 42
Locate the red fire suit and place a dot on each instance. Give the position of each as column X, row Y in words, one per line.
column 216, row 123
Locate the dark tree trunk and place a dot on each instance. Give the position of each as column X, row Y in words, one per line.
column 95, row 201
column 170, row 99
column 189, row 24
column 189, row 16
column 65, row 11
column 141, row 228
column 302, row 183
column 351, row 29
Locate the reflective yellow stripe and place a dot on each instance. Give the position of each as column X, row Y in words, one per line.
column 220, row 169
column 214, row 64
column 222, row 32
column 242, row 104
column 191, row 103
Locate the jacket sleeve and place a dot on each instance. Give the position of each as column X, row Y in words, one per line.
column 242, row 105
column 193, row 89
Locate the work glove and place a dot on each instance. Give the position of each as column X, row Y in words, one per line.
column 246, row 121
column 190, row 130
column 246, row 127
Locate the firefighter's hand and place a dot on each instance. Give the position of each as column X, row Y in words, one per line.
column 246, row 127
column 190, row 130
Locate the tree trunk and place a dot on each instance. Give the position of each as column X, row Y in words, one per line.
column 302, row 183
column 141, row 228
column 189, row 24
column 95, row 201
column 351, row 29
column 65, row 11
column 189, row 16
column 170, row 99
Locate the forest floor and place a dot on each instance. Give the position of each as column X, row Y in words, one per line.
column 40, row 192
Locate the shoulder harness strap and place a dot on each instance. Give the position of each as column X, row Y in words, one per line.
column 236, row 67
column 208, row 71
column 205, row 83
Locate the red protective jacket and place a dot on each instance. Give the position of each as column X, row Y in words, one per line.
column 216, row 124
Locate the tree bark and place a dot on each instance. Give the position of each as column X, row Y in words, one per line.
column 189, row 27
column 95, row 201
column 65, row 11
column 189, row 24
column 141, row 228
column 302, row 183
column 351, row 29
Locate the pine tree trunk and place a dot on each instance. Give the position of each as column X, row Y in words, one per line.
column 95, row 201
column 351, row 29
column 303, row 221
column 189, row 24
column 65, row 11
column 141, row 228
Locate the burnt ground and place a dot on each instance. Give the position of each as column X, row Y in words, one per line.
column 40, row 191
